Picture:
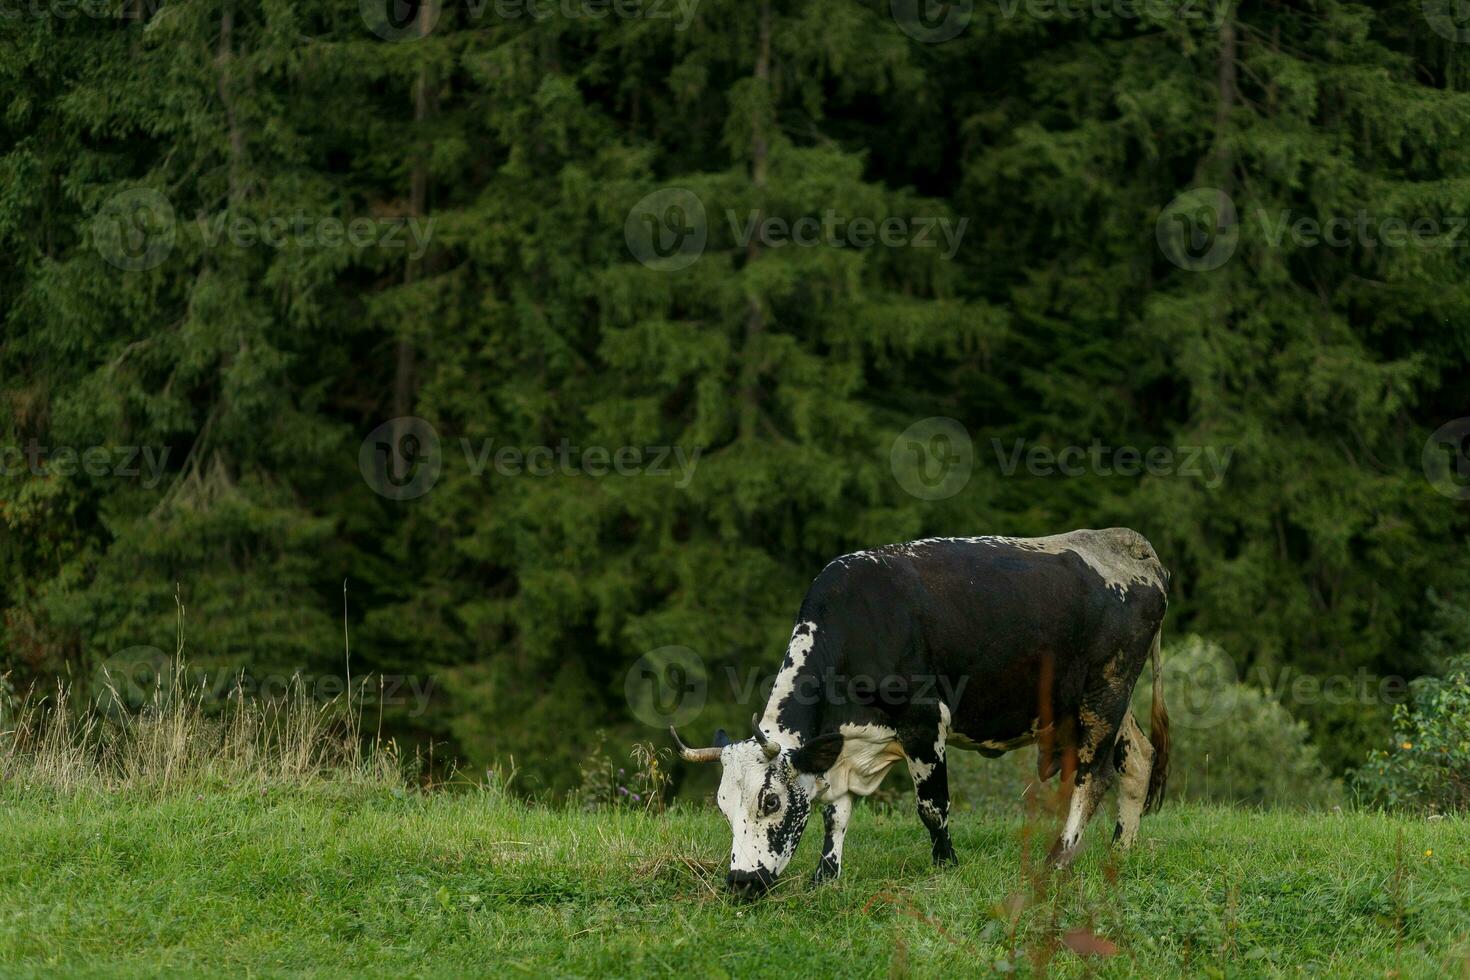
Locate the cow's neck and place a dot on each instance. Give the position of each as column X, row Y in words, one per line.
column 794, row 710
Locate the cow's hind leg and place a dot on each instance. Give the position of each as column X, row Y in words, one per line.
column 925, row 754
column 1134, row 758
column 1097, row 734
column 834, row 817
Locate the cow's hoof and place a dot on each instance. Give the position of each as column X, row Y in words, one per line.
column 944, row 857
column 826, row 871
column 1059, row 858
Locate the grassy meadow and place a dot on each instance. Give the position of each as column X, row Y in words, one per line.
column 362, row 880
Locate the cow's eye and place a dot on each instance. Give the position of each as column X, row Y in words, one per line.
column 770, row 803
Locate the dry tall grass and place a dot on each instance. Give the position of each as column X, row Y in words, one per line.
column 58, row 741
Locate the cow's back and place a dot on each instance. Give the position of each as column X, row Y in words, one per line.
column 990, row 623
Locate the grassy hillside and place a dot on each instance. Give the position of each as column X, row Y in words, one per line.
column 389, row 882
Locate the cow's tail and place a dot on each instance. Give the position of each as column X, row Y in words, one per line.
column 1158, row 733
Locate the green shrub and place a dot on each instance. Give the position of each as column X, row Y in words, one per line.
column 1233, row 742
column 1428, row 766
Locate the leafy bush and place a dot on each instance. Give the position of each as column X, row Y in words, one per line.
column 1233, row 742
column 1428, row 767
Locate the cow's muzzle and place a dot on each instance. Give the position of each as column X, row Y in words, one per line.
column 750, row 884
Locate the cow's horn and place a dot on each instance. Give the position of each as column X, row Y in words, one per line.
column 694, row 755
column 770, row 748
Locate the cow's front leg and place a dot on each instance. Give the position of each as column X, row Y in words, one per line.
column 834, row 818
column 931, row 787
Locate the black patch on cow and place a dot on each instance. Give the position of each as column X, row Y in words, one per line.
column 793, row 821
column 819, row 754
column 981, row 625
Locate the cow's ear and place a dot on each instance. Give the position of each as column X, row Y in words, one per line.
column 819, row 754
column 721, row 739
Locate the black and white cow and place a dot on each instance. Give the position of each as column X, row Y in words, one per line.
column 986, row 643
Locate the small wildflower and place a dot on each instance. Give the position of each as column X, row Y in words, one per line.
column 1429, row 853
column 1408, row 745
column 636, row 798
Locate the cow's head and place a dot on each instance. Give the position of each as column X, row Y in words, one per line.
column 766, row 792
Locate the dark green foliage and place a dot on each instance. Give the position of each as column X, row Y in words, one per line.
column 526, row 321
column 1428, row 765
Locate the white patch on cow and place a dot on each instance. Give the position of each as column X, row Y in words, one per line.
column 803, row 638
column 1084, row 801
column 868, row 752
column 748, row 776
column 921, row 771
column 1138, row 759
column 1120, row 556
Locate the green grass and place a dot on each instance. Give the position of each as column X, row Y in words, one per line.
column 391, row 883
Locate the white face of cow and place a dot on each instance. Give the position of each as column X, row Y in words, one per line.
column 767, row 801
